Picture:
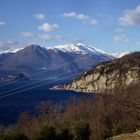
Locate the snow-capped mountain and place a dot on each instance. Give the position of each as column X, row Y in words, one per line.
column 53, row 62
column 12, row 50
column 119, row 55
column 79, row 48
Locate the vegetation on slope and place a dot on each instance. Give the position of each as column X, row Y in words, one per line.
column 98, row 119
column 123, row 64
column 109, row 77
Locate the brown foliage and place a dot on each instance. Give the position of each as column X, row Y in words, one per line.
column 106, row 114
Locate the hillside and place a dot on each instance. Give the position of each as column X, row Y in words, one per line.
column 109, row 77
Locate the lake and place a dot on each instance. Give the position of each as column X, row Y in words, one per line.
column 27, row 100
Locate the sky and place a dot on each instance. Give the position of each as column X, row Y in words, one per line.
column 111, row 25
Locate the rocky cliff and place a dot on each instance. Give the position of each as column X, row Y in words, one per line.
column 109, row 77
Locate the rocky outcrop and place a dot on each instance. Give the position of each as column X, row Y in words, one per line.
column 109, row 77
column 128, row 136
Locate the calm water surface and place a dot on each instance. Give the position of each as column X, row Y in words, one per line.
column 27, row 101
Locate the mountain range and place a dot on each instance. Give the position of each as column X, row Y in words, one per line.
column 62, row 61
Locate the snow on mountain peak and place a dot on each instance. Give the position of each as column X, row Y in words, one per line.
column 79, row 48
column 66, row 48
column 12, row 50
column 119, row 55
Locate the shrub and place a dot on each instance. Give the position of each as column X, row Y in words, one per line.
column 98, row 119
column 64, row 134
column 45, row 133
column 13, row 135
column 81, row 130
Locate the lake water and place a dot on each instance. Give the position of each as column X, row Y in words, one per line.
column 27, row 101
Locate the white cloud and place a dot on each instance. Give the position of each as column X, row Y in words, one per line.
column 48, row 27
column 120, row 30
column 45, row 37
column 71, row 14
column 39, row 16
column 130, row 17
column 82, row 17
column 121, row 38
column 27, row 34
column 2, row 23
column 8, row 44
column 77, row 16
column 94, row 22
column 137, row 42
column 59, row 37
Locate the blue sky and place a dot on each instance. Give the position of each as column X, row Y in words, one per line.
column 112, row 25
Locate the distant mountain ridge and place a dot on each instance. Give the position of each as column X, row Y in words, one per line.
column 13, row 77
column 63, row 60
column 119, row 55
column 73, row 48
column 12, row 50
